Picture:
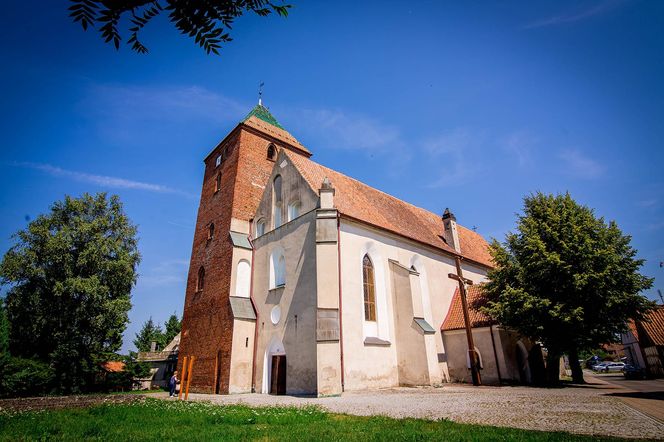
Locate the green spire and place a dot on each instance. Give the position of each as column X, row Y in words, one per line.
column 261, row 112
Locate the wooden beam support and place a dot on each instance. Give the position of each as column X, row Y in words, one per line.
column 190, row 372
column 184, row 376
column 472, row 354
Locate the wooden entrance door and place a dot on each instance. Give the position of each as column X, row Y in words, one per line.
column 278, row 375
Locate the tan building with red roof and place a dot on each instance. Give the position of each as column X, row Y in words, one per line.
column 306, row 281
column 505, row 357
column 644, row 343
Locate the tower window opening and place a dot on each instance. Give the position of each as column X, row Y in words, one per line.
column 200, row 282
column 271, row 152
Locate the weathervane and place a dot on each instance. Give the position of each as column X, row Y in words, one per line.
column 260, row 93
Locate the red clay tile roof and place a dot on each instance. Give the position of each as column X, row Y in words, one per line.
column 274, row 131
column 113, row 366
column 454, row 319
column 654, row 329
column 362, row 202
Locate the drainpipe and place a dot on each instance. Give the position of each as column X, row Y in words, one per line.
column 495, row 353
column 253, row 303
column 341, row 335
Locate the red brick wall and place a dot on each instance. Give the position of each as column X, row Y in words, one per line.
column 207, row 322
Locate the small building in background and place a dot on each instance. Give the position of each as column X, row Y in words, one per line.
column 162, row 364
column 505, row 357
column 644, row 343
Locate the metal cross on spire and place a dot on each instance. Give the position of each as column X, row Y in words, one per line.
column 260, row 93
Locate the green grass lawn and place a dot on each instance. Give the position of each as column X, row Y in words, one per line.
column 155, row 419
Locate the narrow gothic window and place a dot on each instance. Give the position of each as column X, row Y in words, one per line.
column 201, row 279
column 293, row 210
column 260, row 228
column 210, row 231
column 276, row 196
column 217, row 183
column 369, row 289
column 281, row 271
column 277, row 269
column 277, row 188
column 271, row 152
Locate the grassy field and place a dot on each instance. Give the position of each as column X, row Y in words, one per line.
column 155, row 419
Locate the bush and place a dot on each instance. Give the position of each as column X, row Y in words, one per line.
column 26, row 377
column 126, row 379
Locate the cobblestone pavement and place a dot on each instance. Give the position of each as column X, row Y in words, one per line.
column 583, row 409
column 646, row 395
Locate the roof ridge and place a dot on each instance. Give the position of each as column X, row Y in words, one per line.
column 381, row 191
column 261, row 112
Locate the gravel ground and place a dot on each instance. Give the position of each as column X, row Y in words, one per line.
column 583, row 410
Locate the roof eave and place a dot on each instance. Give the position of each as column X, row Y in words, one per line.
column 439, row 249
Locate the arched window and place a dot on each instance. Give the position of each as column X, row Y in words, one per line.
column 200, row 282
column 276, row 188
column 281, row 271
column 276, row 196
column 217, row 183
column 243, row 279
column 210, row 231
column 277, row 269
column 293, row 210
column 260, row 228
column 271, row 152
column 368, row 281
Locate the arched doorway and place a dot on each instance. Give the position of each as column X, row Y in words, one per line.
column 274, row 368
column 522, row 361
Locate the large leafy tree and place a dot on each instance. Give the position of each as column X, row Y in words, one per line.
column 566, row 278
column 208, row 22
column 4, row 339
column 70, row 274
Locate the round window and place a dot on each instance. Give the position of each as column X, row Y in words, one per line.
column 275, row 315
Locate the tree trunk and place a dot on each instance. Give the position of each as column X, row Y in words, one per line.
column 575, row 365
column 553, row 368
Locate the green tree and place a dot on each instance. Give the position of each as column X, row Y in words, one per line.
column 565, row 278
column 207, row 22
column 4, row 339
column 70, row 274
column 172, row 328
column 149, row 332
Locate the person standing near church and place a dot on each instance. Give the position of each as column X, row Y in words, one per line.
column 172, row 383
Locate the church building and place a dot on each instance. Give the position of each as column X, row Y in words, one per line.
column 305, row 281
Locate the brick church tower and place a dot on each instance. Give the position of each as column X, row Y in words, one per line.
column 236, row 173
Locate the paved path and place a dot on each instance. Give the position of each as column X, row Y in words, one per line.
column 646, row 396
column 584, row 409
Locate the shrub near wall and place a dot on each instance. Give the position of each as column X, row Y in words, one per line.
column 26, row 377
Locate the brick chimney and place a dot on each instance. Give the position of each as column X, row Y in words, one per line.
column 450, row 234
column 153, row 346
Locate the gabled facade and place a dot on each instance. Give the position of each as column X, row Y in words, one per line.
column 236, row 172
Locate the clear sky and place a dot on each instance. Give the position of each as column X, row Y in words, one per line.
column 467, row 105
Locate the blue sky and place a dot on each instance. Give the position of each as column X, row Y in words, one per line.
column 443, row 104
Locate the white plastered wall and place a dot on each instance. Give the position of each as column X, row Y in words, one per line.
column 375, row 366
